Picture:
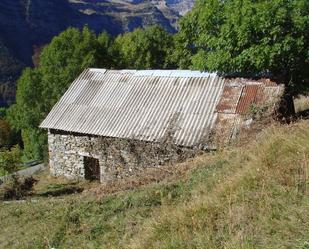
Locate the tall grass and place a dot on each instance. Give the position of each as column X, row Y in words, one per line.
column 259, row 199
column 301, row 103
column 254, row 196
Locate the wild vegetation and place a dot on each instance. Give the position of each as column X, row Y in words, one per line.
column 250, row 196
column 10, row 150
column 10, row 160
column 248, row 38
column 17, row 187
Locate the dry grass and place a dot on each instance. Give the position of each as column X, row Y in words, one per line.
column 49, row 186
column 301, row 103
column 259, row 200
column 253, row 196
column 149, row 176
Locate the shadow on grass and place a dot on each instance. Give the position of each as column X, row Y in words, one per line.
column 302, row 114
column 60, row 189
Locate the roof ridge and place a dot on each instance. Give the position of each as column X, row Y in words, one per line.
column 185, row 73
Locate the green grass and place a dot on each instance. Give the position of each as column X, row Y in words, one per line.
column 254, row 196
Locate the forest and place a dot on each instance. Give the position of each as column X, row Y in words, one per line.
column 242, row 38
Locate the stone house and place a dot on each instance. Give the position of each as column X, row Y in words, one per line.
column 112, row 123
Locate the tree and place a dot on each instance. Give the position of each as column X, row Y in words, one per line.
column 40, row 88
column 3, row 111
column 248, row 37
column 144, row 49
column 105, row 52
column 8, row 136
column 5, row 133
column 28, row 111
column 63, row 59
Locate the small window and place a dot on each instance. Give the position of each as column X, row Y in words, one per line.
column 92, row 168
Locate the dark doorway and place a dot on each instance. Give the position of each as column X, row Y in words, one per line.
column 92, row 168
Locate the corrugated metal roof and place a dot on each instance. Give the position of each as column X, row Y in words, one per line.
column 247, row 98
column 238, row 94
column 153, row 105
column 147, row 105
column 230, row 98
column 237, row 97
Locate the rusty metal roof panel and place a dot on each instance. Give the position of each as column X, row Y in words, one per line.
column 247, row 98
column 230, row 98
column 147, row 105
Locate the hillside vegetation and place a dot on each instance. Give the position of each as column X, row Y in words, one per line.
column 254, row 195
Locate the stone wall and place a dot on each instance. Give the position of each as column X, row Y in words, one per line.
column 117, row 157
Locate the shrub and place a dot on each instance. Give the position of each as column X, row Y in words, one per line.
column 18, row 187
column 10, row 160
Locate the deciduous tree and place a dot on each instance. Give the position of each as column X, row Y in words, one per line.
column 5, row 133
column 249, row 38
column 144, row 49
column 39, row 89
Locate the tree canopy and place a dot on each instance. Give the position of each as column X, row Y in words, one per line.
column 248, row 37
column 144, row 49
column 5, row 133
column 40, row 88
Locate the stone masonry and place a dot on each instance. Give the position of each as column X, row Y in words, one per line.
column 117, row 157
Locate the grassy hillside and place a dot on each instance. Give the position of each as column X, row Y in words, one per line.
column 252, row 196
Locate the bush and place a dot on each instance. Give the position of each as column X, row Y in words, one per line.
column 10, row 160
column 18, row 187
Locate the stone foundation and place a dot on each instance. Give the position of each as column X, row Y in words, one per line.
column 118, row 158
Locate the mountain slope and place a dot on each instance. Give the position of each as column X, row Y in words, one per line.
column 9, row 71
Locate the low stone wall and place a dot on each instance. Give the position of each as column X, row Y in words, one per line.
column 118, row 158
